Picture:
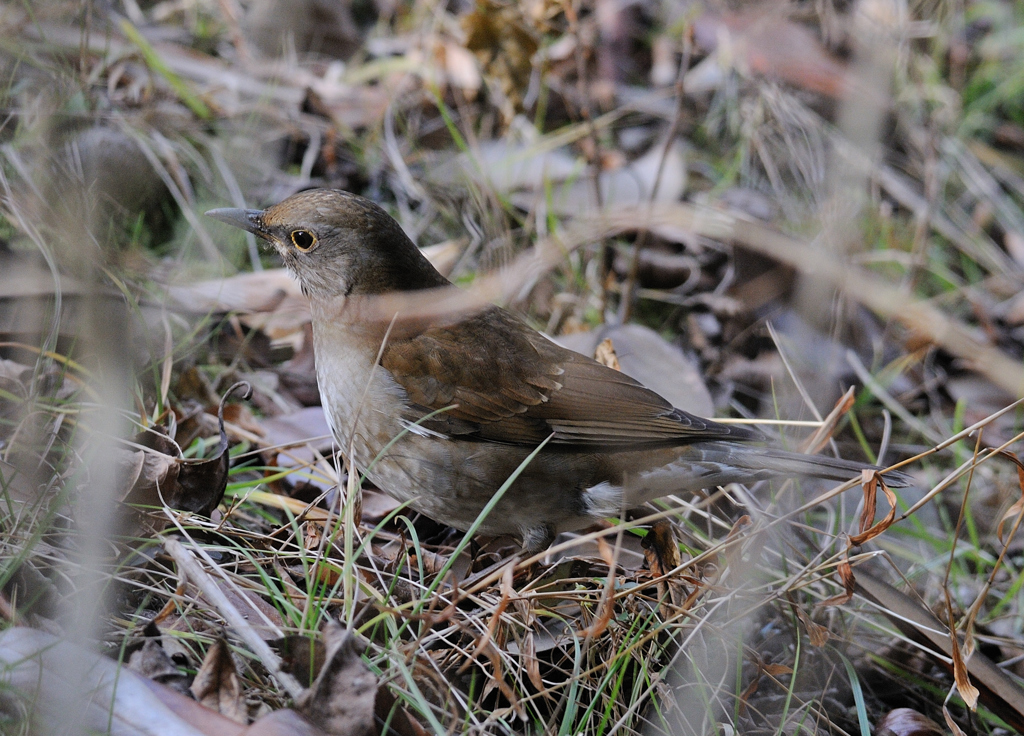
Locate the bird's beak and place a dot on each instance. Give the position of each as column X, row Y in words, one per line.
column 251, row 220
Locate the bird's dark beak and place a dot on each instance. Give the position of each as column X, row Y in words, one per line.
column 251, row 220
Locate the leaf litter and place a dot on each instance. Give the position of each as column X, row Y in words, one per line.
column 615, row 160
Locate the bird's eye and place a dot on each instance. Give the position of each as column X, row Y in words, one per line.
column 303, row 239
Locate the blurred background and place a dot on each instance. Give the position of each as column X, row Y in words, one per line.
column 807, row 211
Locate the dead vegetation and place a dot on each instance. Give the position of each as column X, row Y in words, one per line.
column 808, row 212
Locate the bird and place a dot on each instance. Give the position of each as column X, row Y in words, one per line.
column 438, row 407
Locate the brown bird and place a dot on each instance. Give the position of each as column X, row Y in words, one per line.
column 440, row 408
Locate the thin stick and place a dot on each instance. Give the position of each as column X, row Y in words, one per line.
column 189, row 566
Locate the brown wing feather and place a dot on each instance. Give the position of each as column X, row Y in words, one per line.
column 508, row 383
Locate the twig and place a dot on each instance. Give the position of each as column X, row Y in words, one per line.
column 188, row 565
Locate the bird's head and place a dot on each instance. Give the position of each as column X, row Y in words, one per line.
column 338, row 244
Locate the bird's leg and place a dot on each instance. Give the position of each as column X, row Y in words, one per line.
column 537, row 539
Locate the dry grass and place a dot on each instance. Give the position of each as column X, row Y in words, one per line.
column 876, row 223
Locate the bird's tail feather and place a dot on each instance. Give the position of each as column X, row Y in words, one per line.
column 794, row 464
column 707, row 465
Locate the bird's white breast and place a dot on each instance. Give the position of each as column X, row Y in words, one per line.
column 361, row 400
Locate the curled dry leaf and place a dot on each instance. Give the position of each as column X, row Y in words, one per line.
column 605, row 354
column 960, row 673
column 485, row 640
column 871, row 480
column 816, row 633
column 1017, row 509
column 846, row 577
column 817, row 441
column 159, row 474
column 606, row 610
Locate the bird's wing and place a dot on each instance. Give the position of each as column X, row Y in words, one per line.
column 508, row 383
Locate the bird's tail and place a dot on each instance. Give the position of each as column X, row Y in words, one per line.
column 793, row 464
column 707, row 465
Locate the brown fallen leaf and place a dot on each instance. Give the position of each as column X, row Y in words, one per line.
column 816, row 633
column 645, row 355
column 817, row 441
column 870, row 483
column 961, row 676
column 302, row 656
column 152, row 662
column 766, row 44
column 504, row 41
column 907, row 722
column 661, row 553
column 605, row 354
column 157, row 473
column 846, row 578
column 216, row 684
column 28, row 589
column 341, row 700
column 401, row 723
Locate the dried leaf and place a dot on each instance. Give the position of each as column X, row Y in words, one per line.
column 661, row 552
column 605, row 354
column 462, row 69
column 388, row 711
column 817, row 441
column 217, row 685
column 762, row 43
column 967, row 691
column 151, row 661
column 284, row 722
column 301, row 656
column 1018, row 506
column 30, row 591
column 341, row 700
column 529, row 656
column 645, row 355
column 908, row 722
column 870, row 481
column 504, row 42
column 847, row 579
column 46, row 672
column 957, row 731
column 607, row 604
column 159, row 474
column 484, row 641
column 816, row 633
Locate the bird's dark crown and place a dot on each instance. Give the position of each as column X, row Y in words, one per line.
column 338, row 243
